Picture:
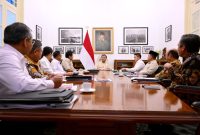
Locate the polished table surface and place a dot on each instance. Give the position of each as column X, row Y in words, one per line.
column 120, row 97
column 119, row 100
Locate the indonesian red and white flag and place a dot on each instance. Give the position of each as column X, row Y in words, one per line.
column 87, row 54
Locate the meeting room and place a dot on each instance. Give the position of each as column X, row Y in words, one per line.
column 99, row 67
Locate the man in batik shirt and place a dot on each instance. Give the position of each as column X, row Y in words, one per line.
column 173, row 62
column 33, row 58
column 188, row 73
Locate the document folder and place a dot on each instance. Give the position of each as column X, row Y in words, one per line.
column 142, row 79
column 39, row 97
column 79, row 78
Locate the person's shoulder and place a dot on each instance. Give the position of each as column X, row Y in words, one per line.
column 67, row 60
column 140, row 61
column 54, row 61
column 155, row 61
column 42, row 59
column 6, row 54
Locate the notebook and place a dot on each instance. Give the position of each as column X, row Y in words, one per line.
column 145, row 79
column 39, row 97
column 79, row 78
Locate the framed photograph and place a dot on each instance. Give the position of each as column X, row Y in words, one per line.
column 123, row 50
column 38, row 33
column 103, row 40
column 70, row 36
column 78, row 50
column 73, row 49
column 135, row 35
column 146, row 49
column 59, row 48
column 135, row 49
column 168, row 33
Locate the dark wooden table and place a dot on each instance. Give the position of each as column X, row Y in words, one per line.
column 113, row 108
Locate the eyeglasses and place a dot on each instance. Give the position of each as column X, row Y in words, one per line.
column 33, row 42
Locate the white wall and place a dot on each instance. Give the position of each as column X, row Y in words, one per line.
column 154, row 14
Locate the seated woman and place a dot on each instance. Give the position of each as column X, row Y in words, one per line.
column 102, row 63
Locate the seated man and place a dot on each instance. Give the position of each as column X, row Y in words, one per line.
column 188, row 73
column 173, row 61
column 56, row 64
column 152, row 64
column 67, row 62
column 45, row 62
column 102, row 63
column 14, row 77
column 139, row 64
column 33, row 58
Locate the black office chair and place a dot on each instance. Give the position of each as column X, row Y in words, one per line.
column 195, row 90
column 160, row 68
column 165, row 82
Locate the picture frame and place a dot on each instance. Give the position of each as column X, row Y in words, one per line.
column 59, row 48
column 72, row 48
column 78, row 50
column 135, row 49
column 38, row 32
column 103, row 40
column 146, row 49
column 135, row 35
column 168, row 33
column 70, row 36
column 123, row 49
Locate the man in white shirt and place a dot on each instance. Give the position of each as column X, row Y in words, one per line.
column 45, row 62
column 139, row 64
column 14, row 77
column 56, row 64
column 67, row 62
column 102, row 63
column 152, row 64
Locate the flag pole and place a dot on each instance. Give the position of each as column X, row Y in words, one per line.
column 93, row 75
column 87, row 27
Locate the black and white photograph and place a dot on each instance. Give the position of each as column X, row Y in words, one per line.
column 123, row 49
column 103, row 40
column 135, row 35
column 146, row 49
column 70, row 36
column 168, row 33
column 78, row 50
column 73, row 49
column 135, row 49
column 59, row 48
column 38, row 33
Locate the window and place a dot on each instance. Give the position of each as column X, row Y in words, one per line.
column 10, row 12
column 13, row 2
column 0, row 25
column 1, row 37
column 11, row 17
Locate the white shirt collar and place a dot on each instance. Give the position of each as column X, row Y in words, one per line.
column 19, row 54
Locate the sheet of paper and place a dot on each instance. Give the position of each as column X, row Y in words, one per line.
column 102, row 80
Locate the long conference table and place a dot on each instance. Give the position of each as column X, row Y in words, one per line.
column 114, row 108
